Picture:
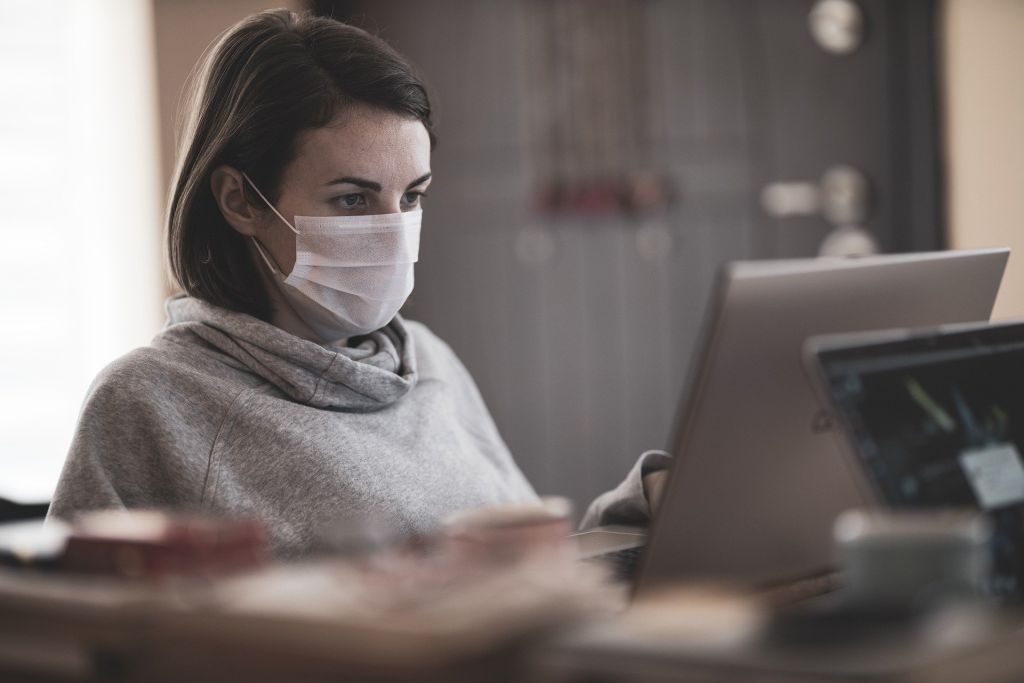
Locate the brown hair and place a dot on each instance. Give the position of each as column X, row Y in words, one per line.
column 264, row 81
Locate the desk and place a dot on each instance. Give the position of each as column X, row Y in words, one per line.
column 667, row 639
column 59, row 631
column 319, row 621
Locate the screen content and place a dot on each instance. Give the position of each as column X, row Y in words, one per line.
column 939, row 422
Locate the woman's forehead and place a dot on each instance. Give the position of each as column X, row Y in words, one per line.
column 365, row 142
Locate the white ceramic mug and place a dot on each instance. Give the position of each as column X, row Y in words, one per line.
column 912, row 559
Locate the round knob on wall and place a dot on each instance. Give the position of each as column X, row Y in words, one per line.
column 838, row 26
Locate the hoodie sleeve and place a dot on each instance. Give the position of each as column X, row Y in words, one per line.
column 89, row 479
column 129, row 447
column 626, row 503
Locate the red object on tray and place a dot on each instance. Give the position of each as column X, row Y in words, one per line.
column 149, row 544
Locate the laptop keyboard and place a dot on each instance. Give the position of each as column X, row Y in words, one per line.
column 623, row 563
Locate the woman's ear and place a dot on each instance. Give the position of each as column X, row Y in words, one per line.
column 227, row 183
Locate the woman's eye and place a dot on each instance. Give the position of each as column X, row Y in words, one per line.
column 412, row 198
column 352, row 201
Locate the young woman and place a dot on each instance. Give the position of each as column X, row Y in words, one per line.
column 285, row 384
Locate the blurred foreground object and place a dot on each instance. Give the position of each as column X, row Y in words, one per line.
column 410, row 612
column 908, row 607
column 714, row 633
column 147, row 544
column 508, row 532
column 912, row 560
column 33, row 543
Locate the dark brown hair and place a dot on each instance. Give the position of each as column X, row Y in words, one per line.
column 264, row 81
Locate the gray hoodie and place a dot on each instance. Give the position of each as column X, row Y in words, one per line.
column 226, row 413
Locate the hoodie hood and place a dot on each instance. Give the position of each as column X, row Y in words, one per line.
column 377, row 372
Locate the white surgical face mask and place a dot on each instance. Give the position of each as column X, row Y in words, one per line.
column 352, row 273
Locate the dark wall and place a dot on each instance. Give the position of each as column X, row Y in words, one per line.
column 579, row 328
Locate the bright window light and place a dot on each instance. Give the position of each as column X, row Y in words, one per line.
column 80, row 210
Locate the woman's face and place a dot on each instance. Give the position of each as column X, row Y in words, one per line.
column 367, row 161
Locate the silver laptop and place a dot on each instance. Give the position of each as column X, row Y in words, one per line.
column 757, row 479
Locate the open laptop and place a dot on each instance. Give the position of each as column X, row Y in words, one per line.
column 935, row 418
column 756, row 479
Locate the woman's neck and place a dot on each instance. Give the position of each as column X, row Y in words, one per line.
column 282, row 314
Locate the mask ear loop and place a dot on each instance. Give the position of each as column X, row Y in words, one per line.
column 284, row 220
column 263, row 255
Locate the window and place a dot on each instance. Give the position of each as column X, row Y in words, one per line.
column 80, row 210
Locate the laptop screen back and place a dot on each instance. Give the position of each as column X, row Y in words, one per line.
column 755, row 482
column 938, row 421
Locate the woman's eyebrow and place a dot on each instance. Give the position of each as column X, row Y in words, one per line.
column 419, row 181
column 358, row 182
column 375, row 186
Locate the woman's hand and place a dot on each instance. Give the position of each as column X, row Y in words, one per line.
column 654, row 487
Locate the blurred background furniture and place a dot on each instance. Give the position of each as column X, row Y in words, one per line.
column 13, row 512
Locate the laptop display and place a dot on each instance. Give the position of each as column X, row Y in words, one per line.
column 937, row 420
